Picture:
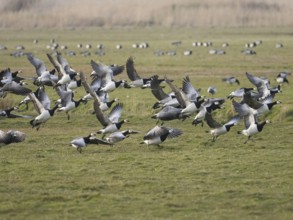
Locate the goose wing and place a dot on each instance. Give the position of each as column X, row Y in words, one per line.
column 16, row 88
column 115, row 113
column 189, row 89
column 57, row 66
column 131, row 71
column 43, row 97
column 37, row 63
column 180, row 95
column 99, row 114
column 156, row 89
column 212, row 123
column 249, row 120
column 95, row 140
column 37, row 104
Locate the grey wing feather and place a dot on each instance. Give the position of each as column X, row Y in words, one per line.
column 131, row 71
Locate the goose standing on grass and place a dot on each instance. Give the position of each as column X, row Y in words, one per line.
column 44, row 114
column 220, row 129
column 82, row 142
column 118, row 136
column 252, row 126
column 136, row 80
column 159, row 134
column 11, row 136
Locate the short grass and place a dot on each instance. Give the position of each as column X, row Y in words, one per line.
column 186, row 178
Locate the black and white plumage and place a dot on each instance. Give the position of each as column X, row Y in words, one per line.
column 7, row 76
column 43, row 114
column 207, row 107
column 212, row 90
column 44, row 76
column 188, row 97
column 254, row 107
column 159, row 93
column 111, row 122
column 11, row 136
column 159, row 134
column 67, row 101
column 217, row 128
column 136, row 80
column 252, row 126
column 282, row 77
column 118, row 136
column 263, row 86
column 239, row 93
column 7, row 113
column 168, row 113
column 81, row 142
column 64, row 77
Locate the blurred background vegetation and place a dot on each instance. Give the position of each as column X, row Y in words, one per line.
column 23, row 14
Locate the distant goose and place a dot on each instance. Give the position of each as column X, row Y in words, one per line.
column 11, row 136
column 44, row 114
column 136, row 80
column 82, row 142
column 118, row 136
column 252, row 126
column 231, row 80
column 220, row 129
column 212, row 90
column 159, row 134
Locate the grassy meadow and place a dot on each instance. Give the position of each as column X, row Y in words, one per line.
column 189, row 177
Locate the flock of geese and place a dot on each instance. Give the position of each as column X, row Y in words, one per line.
column 181, row 103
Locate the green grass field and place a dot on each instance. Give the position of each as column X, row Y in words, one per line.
column 189, row 177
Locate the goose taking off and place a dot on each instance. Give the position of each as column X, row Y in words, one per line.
column 159, row 134
column 82, row 142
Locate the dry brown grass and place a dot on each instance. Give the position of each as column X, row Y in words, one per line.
column 193, row 13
